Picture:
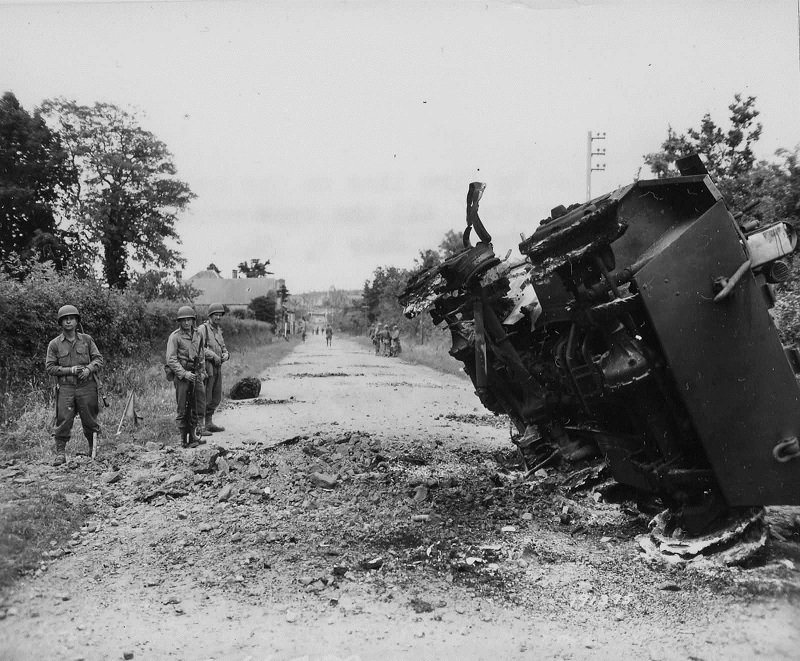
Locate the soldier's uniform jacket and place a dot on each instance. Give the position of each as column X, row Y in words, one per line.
column 215, row 346
column 182, row 349
column 63, row 355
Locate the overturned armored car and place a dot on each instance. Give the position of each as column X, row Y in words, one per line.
column 638, row 327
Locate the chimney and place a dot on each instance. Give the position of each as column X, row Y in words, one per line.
column 235, row 274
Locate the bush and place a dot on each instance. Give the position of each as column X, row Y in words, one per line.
column 127, row 329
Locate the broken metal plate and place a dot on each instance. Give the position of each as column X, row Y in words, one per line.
column 731, row 544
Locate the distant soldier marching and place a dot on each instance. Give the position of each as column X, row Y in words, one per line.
column 73, row 358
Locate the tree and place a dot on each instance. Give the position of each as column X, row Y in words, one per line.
column 124, row 193
column 452, row 244
column 728, row 155
column 263, row 307
column 153, row 285
column 255, row 269
column 427, row 259
column 283, row 294
column 33, row 168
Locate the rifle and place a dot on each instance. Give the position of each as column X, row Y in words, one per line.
column 54, row 421
column 190, row 412
column 101, row 393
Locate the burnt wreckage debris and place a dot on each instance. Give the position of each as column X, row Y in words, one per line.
column 636, row 327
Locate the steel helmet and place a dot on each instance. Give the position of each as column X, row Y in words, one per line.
column 216, row 307
column 185, row 312
column 67, row 311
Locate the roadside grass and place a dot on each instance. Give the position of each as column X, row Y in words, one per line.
column 36, row 512
column 433, row 353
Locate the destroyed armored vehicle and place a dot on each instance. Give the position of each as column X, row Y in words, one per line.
column 637, row 327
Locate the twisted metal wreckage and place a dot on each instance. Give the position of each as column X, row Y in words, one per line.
column 637, row 328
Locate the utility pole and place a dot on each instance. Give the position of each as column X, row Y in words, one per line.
column 590, row 151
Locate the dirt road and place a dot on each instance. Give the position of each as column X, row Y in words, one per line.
column 363, row 508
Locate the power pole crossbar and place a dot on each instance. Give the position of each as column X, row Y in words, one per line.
column 590, row 167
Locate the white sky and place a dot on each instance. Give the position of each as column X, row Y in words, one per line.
column 335, row 137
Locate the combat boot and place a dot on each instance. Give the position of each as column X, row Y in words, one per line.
column 60, row 455
column 210, row 426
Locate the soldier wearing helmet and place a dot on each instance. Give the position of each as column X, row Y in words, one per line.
column 184, row 345
column 216, row 354
column 74, row 360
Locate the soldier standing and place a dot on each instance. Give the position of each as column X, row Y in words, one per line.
column 74, row 360
column 386, row 340
column 394, row 349
column 328, row 335
column 184, row 348
column 216, row 354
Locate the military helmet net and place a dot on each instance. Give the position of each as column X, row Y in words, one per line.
column 216, row 307
column 185, row 312
column 67, row 311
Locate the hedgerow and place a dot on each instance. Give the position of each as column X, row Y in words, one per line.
column 127, row 330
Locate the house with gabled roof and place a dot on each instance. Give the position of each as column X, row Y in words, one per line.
column 235, row 293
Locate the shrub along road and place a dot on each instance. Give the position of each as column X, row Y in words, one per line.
column 364, row 508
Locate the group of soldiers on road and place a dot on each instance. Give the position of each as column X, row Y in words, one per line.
column 194, row 359
column 385, row 341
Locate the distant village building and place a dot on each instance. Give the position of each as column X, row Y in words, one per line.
column 235, row 293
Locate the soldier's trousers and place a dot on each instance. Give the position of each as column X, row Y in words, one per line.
column 181, row 388
column 213, row 390
column 81, row 400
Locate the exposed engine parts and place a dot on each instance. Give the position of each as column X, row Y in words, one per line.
column 637, row 326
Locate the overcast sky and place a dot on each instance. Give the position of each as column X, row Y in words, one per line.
column 335, row 137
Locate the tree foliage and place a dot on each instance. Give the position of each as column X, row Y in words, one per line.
column 263, row 308
column 283, row 294
column 452, row 244
column 33, row 169
column 727, row 154
column 154, row 285
column 124, row 193
column 255, row 269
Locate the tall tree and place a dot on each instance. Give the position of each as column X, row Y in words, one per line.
column 452, row 244
column 263, row 307
column 283, row 294
column 33, row 168
column 125, row 193
column 728, row 155
column 255, row 269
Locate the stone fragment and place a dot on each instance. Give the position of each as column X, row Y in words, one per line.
column 171, row 599
column 127, row 655
column 254, row 471
column 182, row 515
column 542, row 473
column 222, row 466
column 291, row 616
column 225, row 493
column 237, row 537
column 668, row 586
column 324, row 480
column 246, row 388
column 153, row 446
column 420, row 493
column 527, row 516
column 372, row 563
column 111, row 477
